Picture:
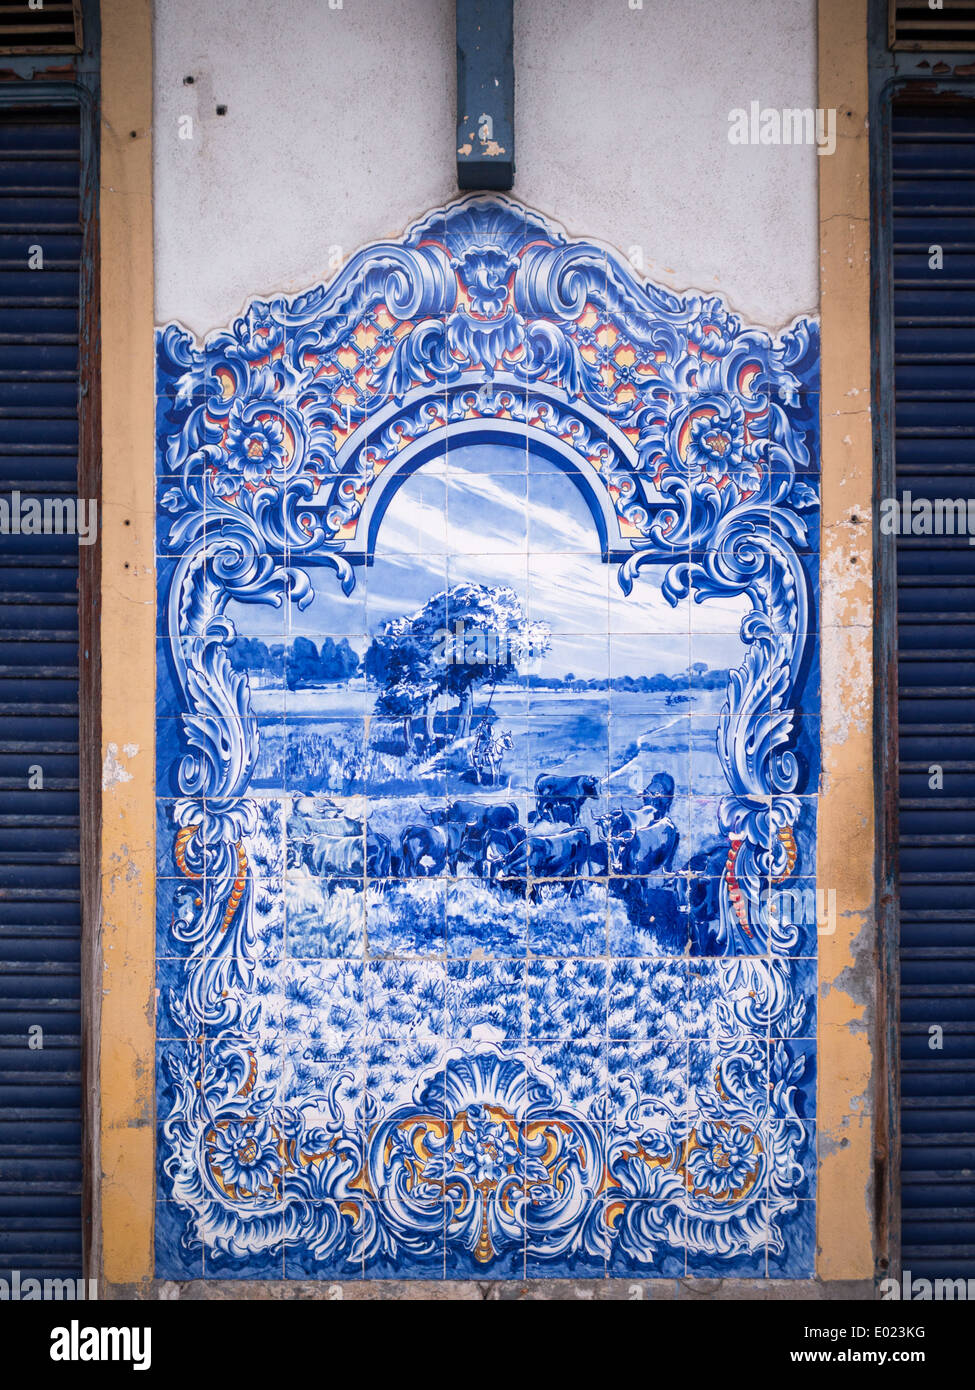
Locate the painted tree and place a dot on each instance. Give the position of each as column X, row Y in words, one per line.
column 465, row 638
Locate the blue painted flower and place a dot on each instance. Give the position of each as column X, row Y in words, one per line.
column 724, row 1159
column 485, row 1150
column 254, row 443
column 245, row 1154
column 715, row 444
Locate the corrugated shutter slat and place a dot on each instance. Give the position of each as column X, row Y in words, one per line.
column 40, row 921
column 934, row 352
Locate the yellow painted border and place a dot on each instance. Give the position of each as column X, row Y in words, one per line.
column 846, row 839
column 124, row 1172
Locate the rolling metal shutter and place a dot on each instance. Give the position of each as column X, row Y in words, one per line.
column 40, row 919
column 933, row 200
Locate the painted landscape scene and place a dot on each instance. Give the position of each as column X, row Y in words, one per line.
column 487, row 744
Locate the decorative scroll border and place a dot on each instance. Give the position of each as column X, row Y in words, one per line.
column 700, row 435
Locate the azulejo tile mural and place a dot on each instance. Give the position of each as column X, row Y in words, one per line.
column 487, row 771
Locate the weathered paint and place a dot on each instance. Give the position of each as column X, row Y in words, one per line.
column 848, row 958
column 128, row 647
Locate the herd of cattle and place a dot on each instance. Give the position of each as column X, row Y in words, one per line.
column 487, row 839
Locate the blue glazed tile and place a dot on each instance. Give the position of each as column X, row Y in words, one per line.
column 328, row 994
column 267, row 1262
column 171, row 747
column 638, row 754
column 173, row 1019
column 719, row 1063
column 561, row 524
column 169, row 698
column 167, row 567
column 799, row 911
column 326, row 917
column 792, row 1243
column 176, row 396
column 651, row 917
column 744, row 1264
column 645, row 1236
column 393, row 1073
column 486, row 922
column 490, row 1244
column 804, row 744
column 791, row 1146
column 404, row 1000
column 725, row 1161
column 264, row 836
column 179, row 1067
column 180, row 906
column 648, row 999
column 180, row 527
column 402, row 584
column 325, row 755
column 486, row 431
column 569, row 594
column 565, row 999
column 486, row 1000
column 733, row 997
column 321, row 1063
column 312, row 696
column 704, row 894
column 179, row 1253
column 486, row 514
column 646, row 1075
column 328, row 612
column 797, row 1017
column 568, row 921
column 793, row 1065
column 407, row 918
column 244, row 1155
column 337, row 1260
column 586, row 756
column 546, row 1258
column 416, row 1251
column 578, row 1070
column 716, row 615
column 469, row 574
column 711, row 737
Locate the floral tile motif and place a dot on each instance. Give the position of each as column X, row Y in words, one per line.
column 487, row 764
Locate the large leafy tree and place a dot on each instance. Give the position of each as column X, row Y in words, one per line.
column 464, row 638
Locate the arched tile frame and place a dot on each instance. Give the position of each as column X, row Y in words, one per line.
column 693, row 440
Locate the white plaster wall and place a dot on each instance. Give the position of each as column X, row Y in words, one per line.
column 340, row 130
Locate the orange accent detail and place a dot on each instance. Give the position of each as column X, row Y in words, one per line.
column 248, row 1085
column 734, row 891
column 237, row 892
column 792, row 854
column 179, row 849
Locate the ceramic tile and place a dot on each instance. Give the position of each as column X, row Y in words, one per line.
column 649, row 999
column 179, row 1251
column 467, row 883
column 565, row 999
column 336, row 1259
column 645, row 1232
column 792, row 1246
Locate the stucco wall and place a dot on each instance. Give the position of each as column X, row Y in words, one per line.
column 339, row 130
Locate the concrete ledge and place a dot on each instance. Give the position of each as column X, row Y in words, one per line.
column 500, row 1290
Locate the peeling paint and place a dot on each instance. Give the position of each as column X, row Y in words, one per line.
column 113, row 769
